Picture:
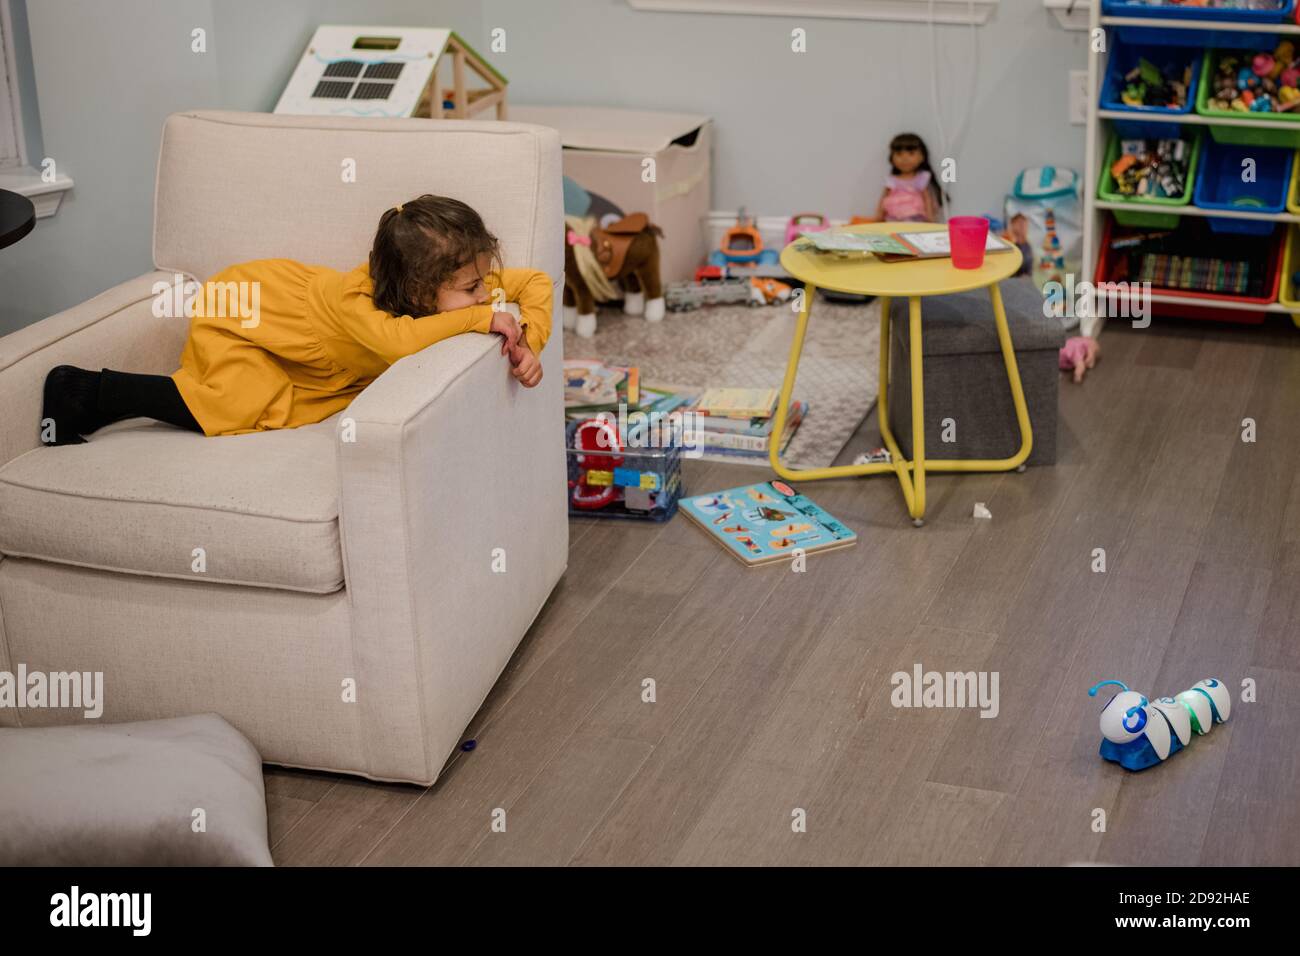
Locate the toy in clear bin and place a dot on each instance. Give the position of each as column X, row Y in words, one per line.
column 1138, row 733
column 608, row 480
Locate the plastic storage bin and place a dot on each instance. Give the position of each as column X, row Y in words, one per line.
column 607, row 480
column 1293, row 192
column 1111, row 268
column 1221, row 187
column 1243, row 135
column 1145, row 211
column 1288, row 293
column 1124, row 58
column 1172, row 36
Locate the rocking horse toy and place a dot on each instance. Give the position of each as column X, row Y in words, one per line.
column 604, row 263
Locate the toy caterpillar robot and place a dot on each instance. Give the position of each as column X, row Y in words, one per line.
column 1137, row 733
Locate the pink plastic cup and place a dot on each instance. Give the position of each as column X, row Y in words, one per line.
column 967, row 236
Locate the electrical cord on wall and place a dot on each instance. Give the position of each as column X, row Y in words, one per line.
column 934, row 91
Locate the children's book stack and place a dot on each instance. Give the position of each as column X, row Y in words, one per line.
column 738, row 422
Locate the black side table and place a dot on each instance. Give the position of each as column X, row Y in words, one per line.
column 17, row 217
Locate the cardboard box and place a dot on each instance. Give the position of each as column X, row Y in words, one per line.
column 605, row 152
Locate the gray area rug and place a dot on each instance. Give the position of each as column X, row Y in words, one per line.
column 743, row 347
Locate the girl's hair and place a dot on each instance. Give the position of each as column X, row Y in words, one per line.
column 419, row 246
column 912, row 141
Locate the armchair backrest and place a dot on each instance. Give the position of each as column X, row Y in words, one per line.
column 238, row 186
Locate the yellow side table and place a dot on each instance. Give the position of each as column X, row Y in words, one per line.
column 889, row 280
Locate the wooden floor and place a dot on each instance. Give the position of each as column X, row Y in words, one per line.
column 773, row 687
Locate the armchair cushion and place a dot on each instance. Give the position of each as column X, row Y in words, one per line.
column 142, row 497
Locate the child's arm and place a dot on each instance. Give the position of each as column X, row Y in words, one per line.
column 392, row 337
column 880, row 206
column 532, row 290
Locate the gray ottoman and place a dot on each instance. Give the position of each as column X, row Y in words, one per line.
column 966, row 380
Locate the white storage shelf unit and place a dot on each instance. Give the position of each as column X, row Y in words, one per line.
column 1098, row 131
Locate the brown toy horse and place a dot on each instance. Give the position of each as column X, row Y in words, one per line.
column 595, row 259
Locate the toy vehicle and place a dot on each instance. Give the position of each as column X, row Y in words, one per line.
column 805, row 222
column 742, row 243
column 772, row 290
column 740, row 271
column 686, row 296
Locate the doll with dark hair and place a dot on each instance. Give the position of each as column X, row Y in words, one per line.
column 911, row 193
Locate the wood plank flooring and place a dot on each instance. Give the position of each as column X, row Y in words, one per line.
column 772, row 688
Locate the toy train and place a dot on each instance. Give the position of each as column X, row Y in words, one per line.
column 1138, row 733
column 685, row 296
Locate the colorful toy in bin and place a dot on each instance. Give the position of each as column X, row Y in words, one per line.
column 802, row 223
column 1249, row 83
column 608, row 479
column 743, row 243
column 1239, row 13
column 594, row 487
column 1138, row 733
column 1147, row 174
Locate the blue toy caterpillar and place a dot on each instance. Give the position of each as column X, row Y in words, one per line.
column 1137, row 733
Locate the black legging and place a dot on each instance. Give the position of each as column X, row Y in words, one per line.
column 78, row 402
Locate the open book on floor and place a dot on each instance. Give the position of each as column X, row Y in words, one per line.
column 767, row 522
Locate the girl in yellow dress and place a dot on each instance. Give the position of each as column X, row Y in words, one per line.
column 278, row 344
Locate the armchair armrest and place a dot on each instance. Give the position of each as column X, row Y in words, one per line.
column 116, row 329
column 454, row 527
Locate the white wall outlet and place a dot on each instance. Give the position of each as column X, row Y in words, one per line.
column 1078, row 97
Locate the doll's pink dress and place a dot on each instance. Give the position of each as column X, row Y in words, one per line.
column 905, row 201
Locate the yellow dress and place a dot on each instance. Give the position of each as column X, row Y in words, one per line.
column 278, row 344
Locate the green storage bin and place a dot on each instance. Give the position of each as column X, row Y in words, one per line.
column 1242, row 135
column 1146, row 218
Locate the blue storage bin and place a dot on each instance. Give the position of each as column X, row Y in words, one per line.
column 1123, row 58
column 1172, row 36
column 1220, row 186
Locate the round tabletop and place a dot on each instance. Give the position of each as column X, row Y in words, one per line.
column 866, row 275
column 17, row 217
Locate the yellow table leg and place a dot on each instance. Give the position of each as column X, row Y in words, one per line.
column 910, row 474
column 783, row 407
column 1017, row 398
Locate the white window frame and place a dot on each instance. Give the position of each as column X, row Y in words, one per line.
column 13, row 149
column 975, row 12
column 16, row 173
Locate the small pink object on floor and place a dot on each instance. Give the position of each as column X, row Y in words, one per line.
column 1079, row 354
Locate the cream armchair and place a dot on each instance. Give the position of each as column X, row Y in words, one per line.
column 345, row 593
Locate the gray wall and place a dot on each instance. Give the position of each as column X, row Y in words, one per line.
column 794, row 131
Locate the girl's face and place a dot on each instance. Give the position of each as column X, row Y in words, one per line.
column 906, row 160
column 466, row 287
